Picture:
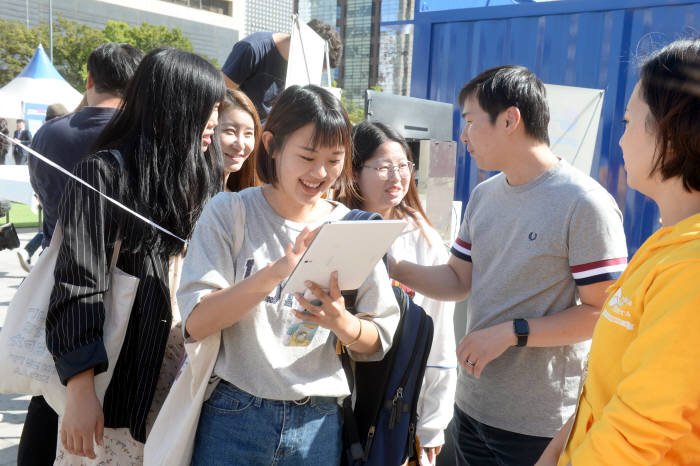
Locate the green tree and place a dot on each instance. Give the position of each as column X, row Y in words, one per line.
column 146, row 36
column 356, row 113
column 17, row 44
column 73, row 42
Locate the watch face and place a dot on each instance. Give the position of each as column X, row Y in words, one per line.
column 521, row 327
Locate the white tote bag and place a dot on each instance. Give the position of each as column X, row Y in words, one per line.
column 171, row 441
column 26, row 365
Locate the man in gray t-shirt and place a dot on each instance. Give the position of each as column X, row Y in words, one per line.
column 538, row 246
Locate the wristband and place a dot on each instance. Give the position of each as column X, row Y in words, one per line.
column 357, row 338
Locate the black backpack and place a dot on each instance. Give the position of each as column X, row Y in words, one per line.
column 381, row 428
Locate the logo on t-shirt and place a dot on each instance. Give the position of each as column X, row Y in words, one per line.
column 532, row 236
column 617, row 310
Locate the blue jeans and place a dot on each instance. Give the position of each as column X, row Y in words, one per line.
column 34, row 244
column 237, row 428
column 478, row 444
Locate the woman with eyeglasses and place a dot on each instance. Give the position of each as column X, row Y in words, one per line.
column 383, row 176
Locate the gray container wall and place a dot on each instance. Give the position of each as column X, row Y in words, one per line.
column 585, row 43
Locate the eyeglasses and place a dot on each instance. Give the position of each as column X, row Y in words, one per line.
column 404, row 169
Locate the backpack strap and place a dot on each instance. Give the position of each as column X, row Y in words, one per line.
column 351, row 436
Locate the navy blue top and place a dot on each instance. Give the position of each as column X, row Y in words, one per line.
column 64, row 140
column 25, row 137
column 258, row 68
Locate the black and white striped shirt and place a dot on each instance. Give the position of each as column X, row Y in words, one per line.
column 76, row 312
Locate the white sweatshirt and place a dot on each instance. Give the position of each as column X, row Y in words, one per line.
column 436, row 401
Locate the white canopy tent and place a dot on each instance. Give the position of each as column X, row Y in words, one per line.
column 38, row 83
column 10, row 107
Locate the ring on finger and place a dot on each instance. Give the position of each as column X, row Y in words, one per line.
column 470, row 363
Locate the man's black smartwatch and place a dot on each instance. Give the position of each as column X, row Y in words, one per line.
column 522, row 330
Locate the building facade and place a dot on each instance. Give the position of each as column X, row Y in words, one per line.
column 378, row 43
column 265, row 15
column 213, row 26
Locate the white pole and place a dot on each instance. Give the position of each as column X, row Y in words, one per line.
column 51, row 30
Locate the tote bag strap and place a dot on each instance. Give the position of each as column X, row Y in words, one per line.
column 113, row 201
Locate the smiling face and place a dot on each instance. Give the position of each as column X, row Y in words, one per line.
column 383, row 195
column 209, row 128
column 638, row 145
column 237, row 137
column 481, row 135
column 304, row 172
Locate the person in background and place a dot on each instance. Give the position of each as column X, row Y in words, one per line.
column 54, row 111
column 539, row 244
column 23, row 135
column 25, row 255
column 383, row 175
column 240, row 130
column 4, row 143
column 65, row 140
column 257, row 64
column 639, row 404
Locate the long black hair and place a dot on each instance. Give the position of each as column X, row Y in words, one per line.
column 158, row 130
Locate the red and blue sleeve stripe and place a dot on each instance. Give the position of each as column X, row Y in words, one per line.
column 462, row 250
column 599, row 271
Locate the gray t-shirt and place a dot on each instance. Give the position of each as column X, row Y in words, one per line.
column 530, row 247
column 257, row 353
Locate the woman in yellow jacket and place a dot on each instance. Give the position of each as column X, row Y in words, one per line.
column 641, row 400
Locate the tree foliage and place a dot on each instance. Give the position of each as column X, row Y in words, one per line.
column 146, row 36
column 73, row 42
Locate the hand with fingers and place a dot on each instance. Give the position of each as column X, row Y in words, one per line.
column 432, row 453
column 480, row 347
column 83, row 419
column 328, row 309
column 284, row 266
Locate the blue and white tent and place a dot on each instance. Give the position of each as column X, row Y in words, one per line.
column 39, row 83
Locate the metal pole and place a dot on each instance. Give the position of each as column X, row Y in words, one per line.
column 51, row 30
column 26, row 4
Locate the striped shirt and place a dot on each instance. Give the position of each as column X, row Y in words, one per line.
column 76, row 311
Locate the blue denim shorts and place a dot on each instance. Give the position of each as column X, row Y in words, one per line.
column 237, row 428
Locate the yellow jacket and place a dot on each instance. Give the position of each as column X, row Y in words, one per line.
column 641, row 401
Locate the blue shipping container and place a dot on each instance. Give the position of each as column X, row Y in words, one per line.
column 584, row 43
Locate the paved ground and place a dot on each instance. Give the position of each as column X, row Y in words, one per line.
column 13, row 408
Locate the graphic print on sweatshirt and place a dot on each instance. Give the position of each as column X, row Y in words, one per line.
column 617, row 310
column 299, row 332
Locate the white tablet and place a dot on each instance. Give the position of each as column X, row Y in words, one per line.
column 352, row 247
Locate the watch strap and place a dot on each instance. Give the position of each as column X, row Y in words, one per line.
column 521, row 330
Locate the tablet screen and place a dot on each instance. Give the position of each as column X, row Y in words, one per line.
column 351, row 247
